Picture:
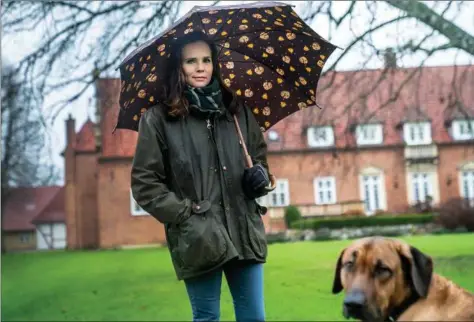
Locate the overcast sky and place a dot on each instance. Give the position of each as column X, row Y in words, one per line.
column 14, row 48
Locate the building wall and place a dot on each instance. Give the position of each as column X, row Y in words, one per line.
column 81, row 202
column 117, row 225
column 451, row 160
column 300, row 168
column 18, row 241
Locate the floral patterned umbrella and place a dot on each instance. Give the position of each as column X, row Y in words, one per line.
column 268, row 55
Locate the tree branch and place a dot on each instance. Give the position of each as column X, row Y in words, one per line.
column 458, row 38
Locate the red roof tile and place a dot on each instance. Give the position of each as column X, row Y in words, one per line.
column 54, row 211
column 387, row 96
column 24, row 204
column 85, row 139
column 364, row 96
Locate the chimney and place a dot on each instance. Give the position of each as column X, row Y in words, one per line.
column 98, row 106
column 70, row 131
column 390, row 58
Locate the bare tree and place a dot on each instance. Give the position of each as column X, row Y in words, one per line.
column 25, row 154
column 80, row 36
column 436, row 32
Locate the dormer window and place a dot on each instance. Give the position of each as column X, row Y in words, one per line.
column 417, row 133
column 320, row 136
column 463, row 130
column 368, row 134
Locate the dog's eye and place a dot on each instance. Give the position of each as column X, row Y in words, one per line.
column 382, row 271
column 349, row 265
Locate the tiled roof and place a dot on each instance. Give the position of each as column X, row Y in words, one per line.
column 85, row 140
column 54, row 211
column 398, row 96
column 390, row 97
column 24, row 204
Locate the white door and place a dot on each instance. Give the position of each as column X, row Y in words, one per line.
column 422, row 186
column 372, row 193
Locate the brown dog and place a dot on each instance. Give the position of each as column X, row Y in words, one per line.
column 389, row 280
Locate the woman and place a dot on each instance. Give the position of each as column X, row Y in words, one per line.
column 189, row 173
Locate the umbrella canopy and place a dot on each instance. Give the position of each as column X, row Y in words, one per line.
column 268, row 56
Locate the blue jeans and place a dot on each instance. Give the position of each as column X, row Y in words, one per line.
column 245, row 282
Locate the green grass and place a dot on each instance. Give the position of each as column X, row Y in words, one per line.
column 140, row 284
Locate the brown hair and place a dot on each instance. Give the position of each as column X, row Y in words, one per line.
column 174, row 81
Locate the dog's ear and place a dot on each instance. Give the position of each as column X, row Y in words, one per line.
column 337, row 283
column 420, row 266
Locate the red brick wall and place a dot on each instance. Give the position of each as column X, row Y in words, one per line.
column 81, row 202
column 301, row 168
column 116, row 224
column 451, row 158
column 86, row 199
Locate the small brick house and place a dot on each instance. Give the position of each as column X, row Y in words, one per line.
column 384, row 140
column 34, row 219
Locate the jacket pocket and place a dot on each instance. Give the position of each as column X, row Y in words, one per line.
column 200, row 242
column 256, row 231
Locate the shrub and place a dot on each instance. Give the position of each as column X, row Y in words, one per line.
column 292, row 214
column 353, row 213
column 456, row 213
column 367, row 221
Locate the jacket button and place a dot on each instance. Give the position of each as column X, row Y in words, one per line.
column 198, row 207
column 224, row 168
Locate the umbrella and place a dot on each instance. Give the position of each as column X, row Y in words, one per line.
column 268, row 56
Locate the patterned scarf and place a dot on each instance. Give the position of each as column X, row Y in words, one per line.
column 207, row 99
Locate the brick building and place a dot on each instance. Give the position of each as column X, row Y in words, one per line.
column 383, row 140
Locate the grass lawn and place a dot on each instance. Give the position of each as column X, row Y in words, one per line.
column 140, row 284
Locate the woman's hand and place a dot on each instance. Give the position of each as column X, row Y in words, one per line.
column 254, row 181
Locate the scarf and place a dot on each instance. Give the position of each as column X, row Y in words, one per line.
column 207, row 98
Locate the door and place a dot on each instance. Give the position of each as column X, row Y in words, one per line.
column 372, row 193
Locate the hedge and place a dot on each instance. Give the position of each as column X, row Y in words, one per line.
column 369, row 221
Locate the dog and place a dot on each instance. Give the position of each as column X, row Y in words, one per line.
column 389, row 280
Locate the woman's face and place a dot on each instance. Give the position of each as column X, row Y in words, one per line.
column 197, row 64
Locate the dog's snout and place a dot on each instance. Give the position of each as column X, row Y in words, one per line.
column 354, row 304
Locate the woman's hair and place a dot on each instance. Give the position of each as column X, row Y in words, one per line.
column 174, row 79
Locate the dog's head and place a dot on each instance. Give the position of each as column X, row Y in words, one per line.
column 377, row 274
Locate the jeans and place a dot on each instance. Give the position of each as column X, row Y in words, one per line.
column 245, row 282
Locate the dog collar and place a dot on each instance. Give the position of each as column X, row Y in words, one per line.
column 398, row 310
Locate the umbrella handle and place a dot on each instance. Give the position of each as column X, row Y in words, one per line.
column 248, row 159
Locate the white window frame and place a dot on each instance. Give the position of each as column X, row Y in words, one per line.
column 135, row 209
column 381, row 195
column 417, row 133
column 466, row 182
column 369, row 134
column 282, row 190
column 314, row 134
column 459, row 125
column 422, row 185
column 325, row 190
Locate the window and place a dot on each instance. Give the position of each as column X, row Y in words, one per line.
column 467, row 184
column 273, row 135
column 422, row 186
column 372, row 190
column 321, row 136
column 417, row 133
column 325, row 190
column 369, row 134
column 24, row 238
column 280, row 197
column 136, row 210
column 463, row 130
